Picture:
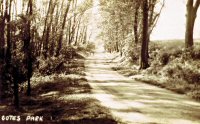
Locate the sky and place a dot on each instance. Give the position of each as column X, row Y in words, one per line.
column 172, row 22
column 94, row 21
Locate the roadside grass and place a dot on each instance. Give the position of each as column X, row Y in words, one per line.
column 171, row 67
column 62, row 97
column 125, row 71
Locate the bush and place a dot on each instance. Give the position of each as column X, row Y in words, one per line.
column 90, row 47
column 132, row 51
column 67, row 53
column 195, row 94
column 61, row 63
column 181, row 71
column 9, row 75
column 164, row 58
column 191, row 75
column 195, row 54
column 51, row 65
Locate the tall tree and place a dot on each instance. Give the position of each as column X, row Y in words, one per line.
column 8, row 18
column 144, row 48
column 45, row 34
column 190, row 21
column 136, row 19
column 28, row 49
column 48, row 30
column 2, row 33
column 60, row 40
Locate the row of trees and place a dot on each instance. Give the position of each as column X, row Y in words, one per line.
column 130, row 20
column 129, row 23
column 35, row 29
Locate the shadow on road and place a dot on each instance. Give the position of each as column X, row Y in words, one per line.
column 136, row 102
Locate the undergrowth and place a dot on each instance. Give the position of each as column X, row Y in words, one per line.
column 171, row 67
column 60, row 93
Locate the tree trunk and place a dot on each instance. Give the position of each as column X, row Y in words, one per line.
column 189, row 25
column 190, row 21
column 77, row 32
column 48, row 30
column 16, row 87
column 74, row 26
column 62, row 30
column 29, row 49
column 2, row 33
column 73, row 30
column 2, row 28
column 45, row 45
column 7, row 52
column 2, row 38
column 144, row 48
column 85, row 36
column 69, row 31
column 136, row 16
column 82, row 34
column 8, row 16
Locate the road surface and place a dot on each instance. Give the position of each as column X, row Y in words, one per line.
column 135, row 102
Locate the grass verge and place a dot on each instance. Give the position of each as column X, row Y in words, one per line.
column 171, row 67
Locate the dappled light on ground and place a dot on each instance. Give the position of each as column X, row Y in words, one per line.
column 60, row 98
column 136, row 102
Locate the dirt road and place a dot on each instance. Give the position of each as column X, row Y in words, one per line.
column 134, row 102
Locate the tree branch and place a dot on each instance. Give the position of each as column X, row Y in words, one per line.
column 196, row 6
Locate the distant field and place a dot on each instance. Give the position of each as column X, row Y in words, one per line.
column 175, row 43
column 197, row 40
column 175, row 40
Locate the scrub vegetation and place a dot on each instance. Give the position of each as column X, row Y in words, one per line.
column 171, row 67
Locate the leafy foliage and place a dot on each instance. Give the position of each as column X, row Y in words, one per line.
column 37, row 39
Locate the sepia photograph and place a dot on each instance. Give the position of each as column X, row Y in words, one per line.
column 99, row 61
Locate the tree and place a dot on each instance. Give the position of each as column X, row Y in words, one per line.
column 136, row 19
column 47, row 27
column 28, row 49
column 2, row 38
column 144, row 47
column 124, row 33
column 149, row 20
column 60, row 40
column 190, row 21
column 8, row 18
